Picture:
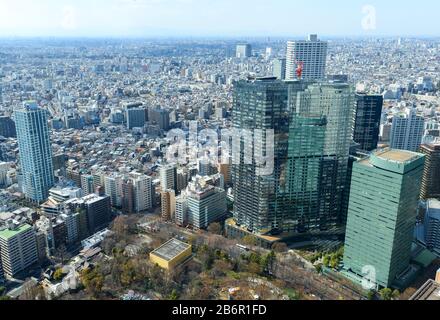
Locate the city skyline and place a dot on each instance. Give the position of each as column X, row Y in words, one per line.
column 223, row 18
column 223, row 150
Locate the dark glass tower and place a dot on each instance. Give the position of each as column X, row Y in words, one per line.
column 259, row 104
column 7, row 127
column 320, row 136
column 367, row 121
column 313, row 129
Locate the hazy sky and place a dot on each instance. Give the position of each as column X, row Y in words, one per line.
column 218, row 17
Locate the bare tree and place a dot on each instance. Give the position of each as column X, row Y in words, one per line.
column 32, row 291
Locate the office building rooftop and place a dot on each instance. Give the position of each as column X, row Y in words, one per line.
column 398, row 155
column 171, row 249
column 7, row 234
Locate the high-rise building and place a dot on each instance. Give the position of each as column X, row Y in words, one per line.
column 279, row 69
column 5, row 168
column 135, row 115
column 127, row 196
column 7, row 127
column 181, row 210
column 204, row 205
column 311, row 53
column 225, row 170
column 407, row 130
column 18, row 248
column 320, row 136
column 243, row 50
column 385, row 132
column 74, row 175
column 220, row 110
column 42, row 246
column 431, row 175
column 71, row 220
column 305, row 169
column 2, row 274
column 312, row 125
column 382, row 214
column 95, row 212
column 159, row 117
column 206, row 168
column 98, row 181
column 260, row 104
column 432, row 225
column 143, row 192
column 168, row 177
column 367, row 121
column 133, row 192
column 168, row 205
column 182, row 180
column 35, row 151
column 87, row 184
column 113, row 188
column 59, row 162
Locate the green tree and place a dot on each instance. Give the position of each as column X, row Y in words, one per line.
column 93, row 281
column 215, row 228
column 254, row 257
column 58, row 275
column 173, row 295
column 318, row 268
column 386, row 294
column 326, row 261
column 268, row 262
column 128, row 274
column 293, row 295
column 334, row 262
column 2, row 290
column 371, row 295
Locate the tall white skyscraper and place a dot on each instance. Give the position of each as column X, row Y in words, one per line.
column 143, row 192
column 407, row 130
column 35, row 151
column 312, row 53
column 113, row 188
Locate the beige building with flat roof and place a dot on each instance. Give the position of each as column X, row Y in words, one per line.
column 171, row 254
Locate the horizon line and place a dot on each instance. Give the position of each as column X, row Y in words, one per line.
column 214, row 37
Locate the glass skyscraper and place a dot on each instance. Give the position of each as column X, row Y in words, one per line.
column 321, row 131
column 35, row 151
column 260, row 104
column 382, row 214
column 313, row 124
column 367, row 121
